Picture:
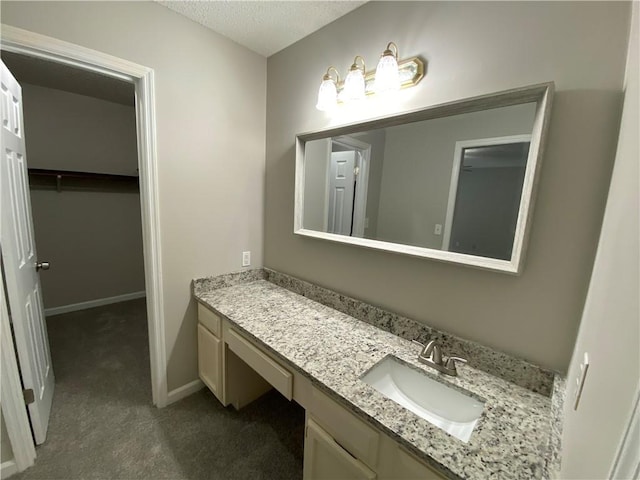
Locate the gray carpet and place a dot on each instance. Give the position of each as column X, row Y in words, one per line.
column 103, row 425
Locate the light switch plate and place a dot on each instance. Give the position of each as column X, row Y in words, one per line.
column 246, row 259
column 584, row 366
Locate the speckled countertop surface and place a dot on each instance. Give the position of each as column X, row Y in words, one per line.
column 333, row 350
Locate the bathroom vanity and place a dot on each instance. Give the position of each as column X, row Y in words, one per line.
column 238, row 369
column 254, row 335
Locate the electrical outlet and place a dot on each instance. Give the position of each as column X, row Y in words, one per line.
column 246, row 259
column 582, row 375
column 438, row 229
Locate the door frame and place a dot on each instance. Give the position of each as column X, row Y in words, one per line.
column 24, row 42
column 455, row 174
column 627, row 460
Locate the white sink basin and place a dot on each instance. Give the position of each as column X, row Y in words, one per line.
column 445, row 407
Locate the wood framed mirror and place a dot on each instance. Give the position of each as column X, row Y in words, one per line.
column 452, row 182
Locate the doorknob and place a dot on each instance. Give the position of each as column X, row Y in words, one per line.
column 42, row 266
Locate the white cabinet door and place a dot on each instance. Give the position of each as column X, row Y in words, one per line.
column 210, row 360
column 407, row 467
column 324, row 459
column 20, row 260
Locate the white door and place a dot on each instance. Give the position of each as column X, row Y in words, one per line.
column 19, row 260
column 341, row 191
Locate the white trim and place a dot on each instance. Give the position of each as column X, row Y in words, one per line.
column 327, row 186
column 455, row 174
column 441, row 255
column 13, row 407
column 23, row 42
column 627, row 462
column 8, row 468
column 98, row 302
column 184, row 391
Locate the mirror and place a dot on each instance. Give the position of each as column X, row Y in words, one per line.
column 453, row 182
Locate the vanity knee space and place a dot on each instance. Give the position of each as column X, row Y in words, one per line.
column 233, row 368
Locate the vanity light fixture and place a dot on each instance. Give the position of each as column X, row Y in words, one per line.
column 354, row 83
column 328, row 92
column 387, row 77
column 390, row 75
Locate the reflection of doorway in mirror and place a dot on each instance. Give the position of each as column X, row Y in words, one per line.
column 484, row 196
column 347, row 186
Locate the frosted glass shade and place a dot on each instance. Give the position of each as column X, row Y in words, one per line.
column 327, row 95
column 387, row 76
column 353, row 86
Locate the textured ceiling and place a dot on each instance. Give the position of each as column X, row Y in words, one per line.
column 265, row 27
column 63, row 77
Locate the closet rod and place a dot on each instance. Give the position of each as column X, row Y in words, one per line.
column 46, row 179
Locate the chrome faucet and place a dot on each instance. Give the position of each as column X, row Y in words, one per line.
column 431, row 355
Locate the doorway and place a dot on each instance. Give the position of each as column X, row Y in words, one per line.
column 21, row 42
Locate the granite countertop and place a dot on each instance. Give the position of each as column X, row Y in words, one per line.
column 333, row 350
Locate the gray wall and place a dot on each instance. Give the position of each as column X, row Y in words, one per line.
column 610, row 331
column 93, row 240
column 210, row 108
column 75, row 132
column 416, row 176
column 471, row 48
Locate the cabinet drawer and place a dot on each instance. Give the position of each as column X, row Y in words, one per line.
column 209, row 319
column 269, row 369
column 353, row 434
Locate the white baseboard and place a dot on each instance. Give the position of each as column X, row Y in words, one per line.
column 184, row 391
column 74, row 307
column 8, row 468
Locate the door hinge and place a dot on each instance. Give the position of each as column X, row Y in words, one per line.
column 29, row 397
column 356, row 171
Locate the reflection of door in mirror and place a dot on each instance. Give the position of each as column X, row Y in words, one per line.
column 342, row 174
column 348, row 183
column 484, row 197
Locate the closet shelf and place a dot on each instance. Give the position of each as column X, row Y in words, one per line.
column 65, row 180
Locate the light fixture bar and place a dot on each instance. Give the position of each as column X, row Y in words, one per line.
column 393, row 75
column 411, row 71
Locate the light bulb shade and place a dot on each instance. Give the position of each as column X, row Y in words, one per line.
column 353, row 86
column 387, row 77
column 327, row 95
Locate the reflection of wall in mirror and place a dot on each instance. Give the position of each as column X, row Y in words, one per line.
column 316, row 167
column 418, row 164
